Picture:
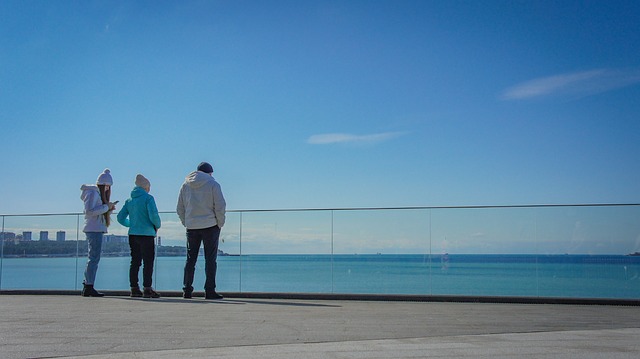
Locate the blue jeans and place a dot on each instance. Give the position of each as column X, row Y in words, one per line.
column 209, row 237
column 94, row 241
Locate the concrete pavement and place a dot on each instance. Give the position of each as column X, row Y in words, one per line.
column 69, row 326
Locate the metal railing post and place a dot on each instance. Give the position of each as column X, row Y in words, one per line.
column 240, row 258
column 430, row 255
column 75, row 283
column 1, row 251
column 332, row 278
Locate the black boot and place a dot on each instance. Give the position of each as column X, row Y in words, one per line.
column 136, row 292
column 150, row 293
column 89, row 291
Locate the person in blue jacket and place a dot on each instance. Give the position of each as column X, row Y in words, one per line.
column 143, row 222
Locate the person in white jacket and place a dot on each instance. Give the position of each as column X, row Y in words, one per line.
column 201, row 208
column 97, row 211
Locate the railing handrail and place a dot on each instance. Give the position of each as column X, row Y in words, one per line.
column 366, row 208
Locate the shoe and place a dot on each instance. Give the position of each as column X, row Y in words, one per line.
column 187, row 295
column 212, row 295
column 150, row 293
column 136, row 292
column 89, row 291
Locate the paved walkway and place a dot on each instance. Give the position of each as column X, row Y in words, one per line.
column 50, row 326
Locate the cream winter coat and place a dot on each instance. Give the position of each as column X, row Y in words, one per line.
column 94, row 210
column 201, row 203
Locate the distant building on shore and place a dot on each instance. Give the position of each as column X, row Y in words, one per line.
column 61, row 236
column 7, row 236
column 112, row 238
column 44, row 235
column 26, row 235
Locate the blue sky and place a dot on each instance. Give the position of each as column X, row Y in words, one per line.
column 321, row 104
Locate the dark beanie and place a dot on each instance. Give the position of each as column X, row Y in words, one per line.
column 205, row 167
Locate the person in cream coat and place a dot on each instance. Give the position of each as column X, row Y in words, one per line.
column 201, row 208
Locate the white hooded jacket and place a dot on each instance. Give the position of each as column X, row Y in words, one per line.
column 201, row 203
column 93, row 209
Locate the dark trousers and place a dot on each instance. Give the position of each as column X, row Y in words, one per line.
column 209, row 237
column 142, row 251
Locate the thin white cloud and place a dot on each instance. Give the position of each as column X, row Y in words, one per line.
column 578, row 84
column 332, row 138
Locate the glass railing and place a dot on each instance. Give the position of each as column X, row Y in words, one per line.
column 559, row 251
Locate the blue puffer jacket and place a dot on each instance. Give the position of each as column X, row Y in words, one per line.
column 142, row 212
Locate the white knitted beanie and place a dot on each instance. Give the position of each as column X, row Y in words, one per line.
column 105, row 178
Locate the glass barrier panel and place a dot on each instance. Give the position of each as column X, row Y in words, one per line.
column 229, row 277
column 286, row 251
column 586, row 252
column 171, row 254
column 537, row 251
column 113, row 267
column 484, row 251
column 40, row 252
column 381, row 251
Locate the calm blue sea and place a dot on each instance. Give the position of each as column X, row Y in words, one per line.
column 572, row 276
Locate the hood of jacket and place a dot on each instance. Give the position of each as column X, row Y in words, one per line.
column 138, row 192
column 197, row 179
column 86, row 189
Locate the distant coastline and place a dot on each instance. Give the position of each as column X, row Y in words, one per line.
column 65, row 249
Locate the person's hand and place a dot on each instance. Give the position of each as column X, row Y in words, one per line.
column 112, row 206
